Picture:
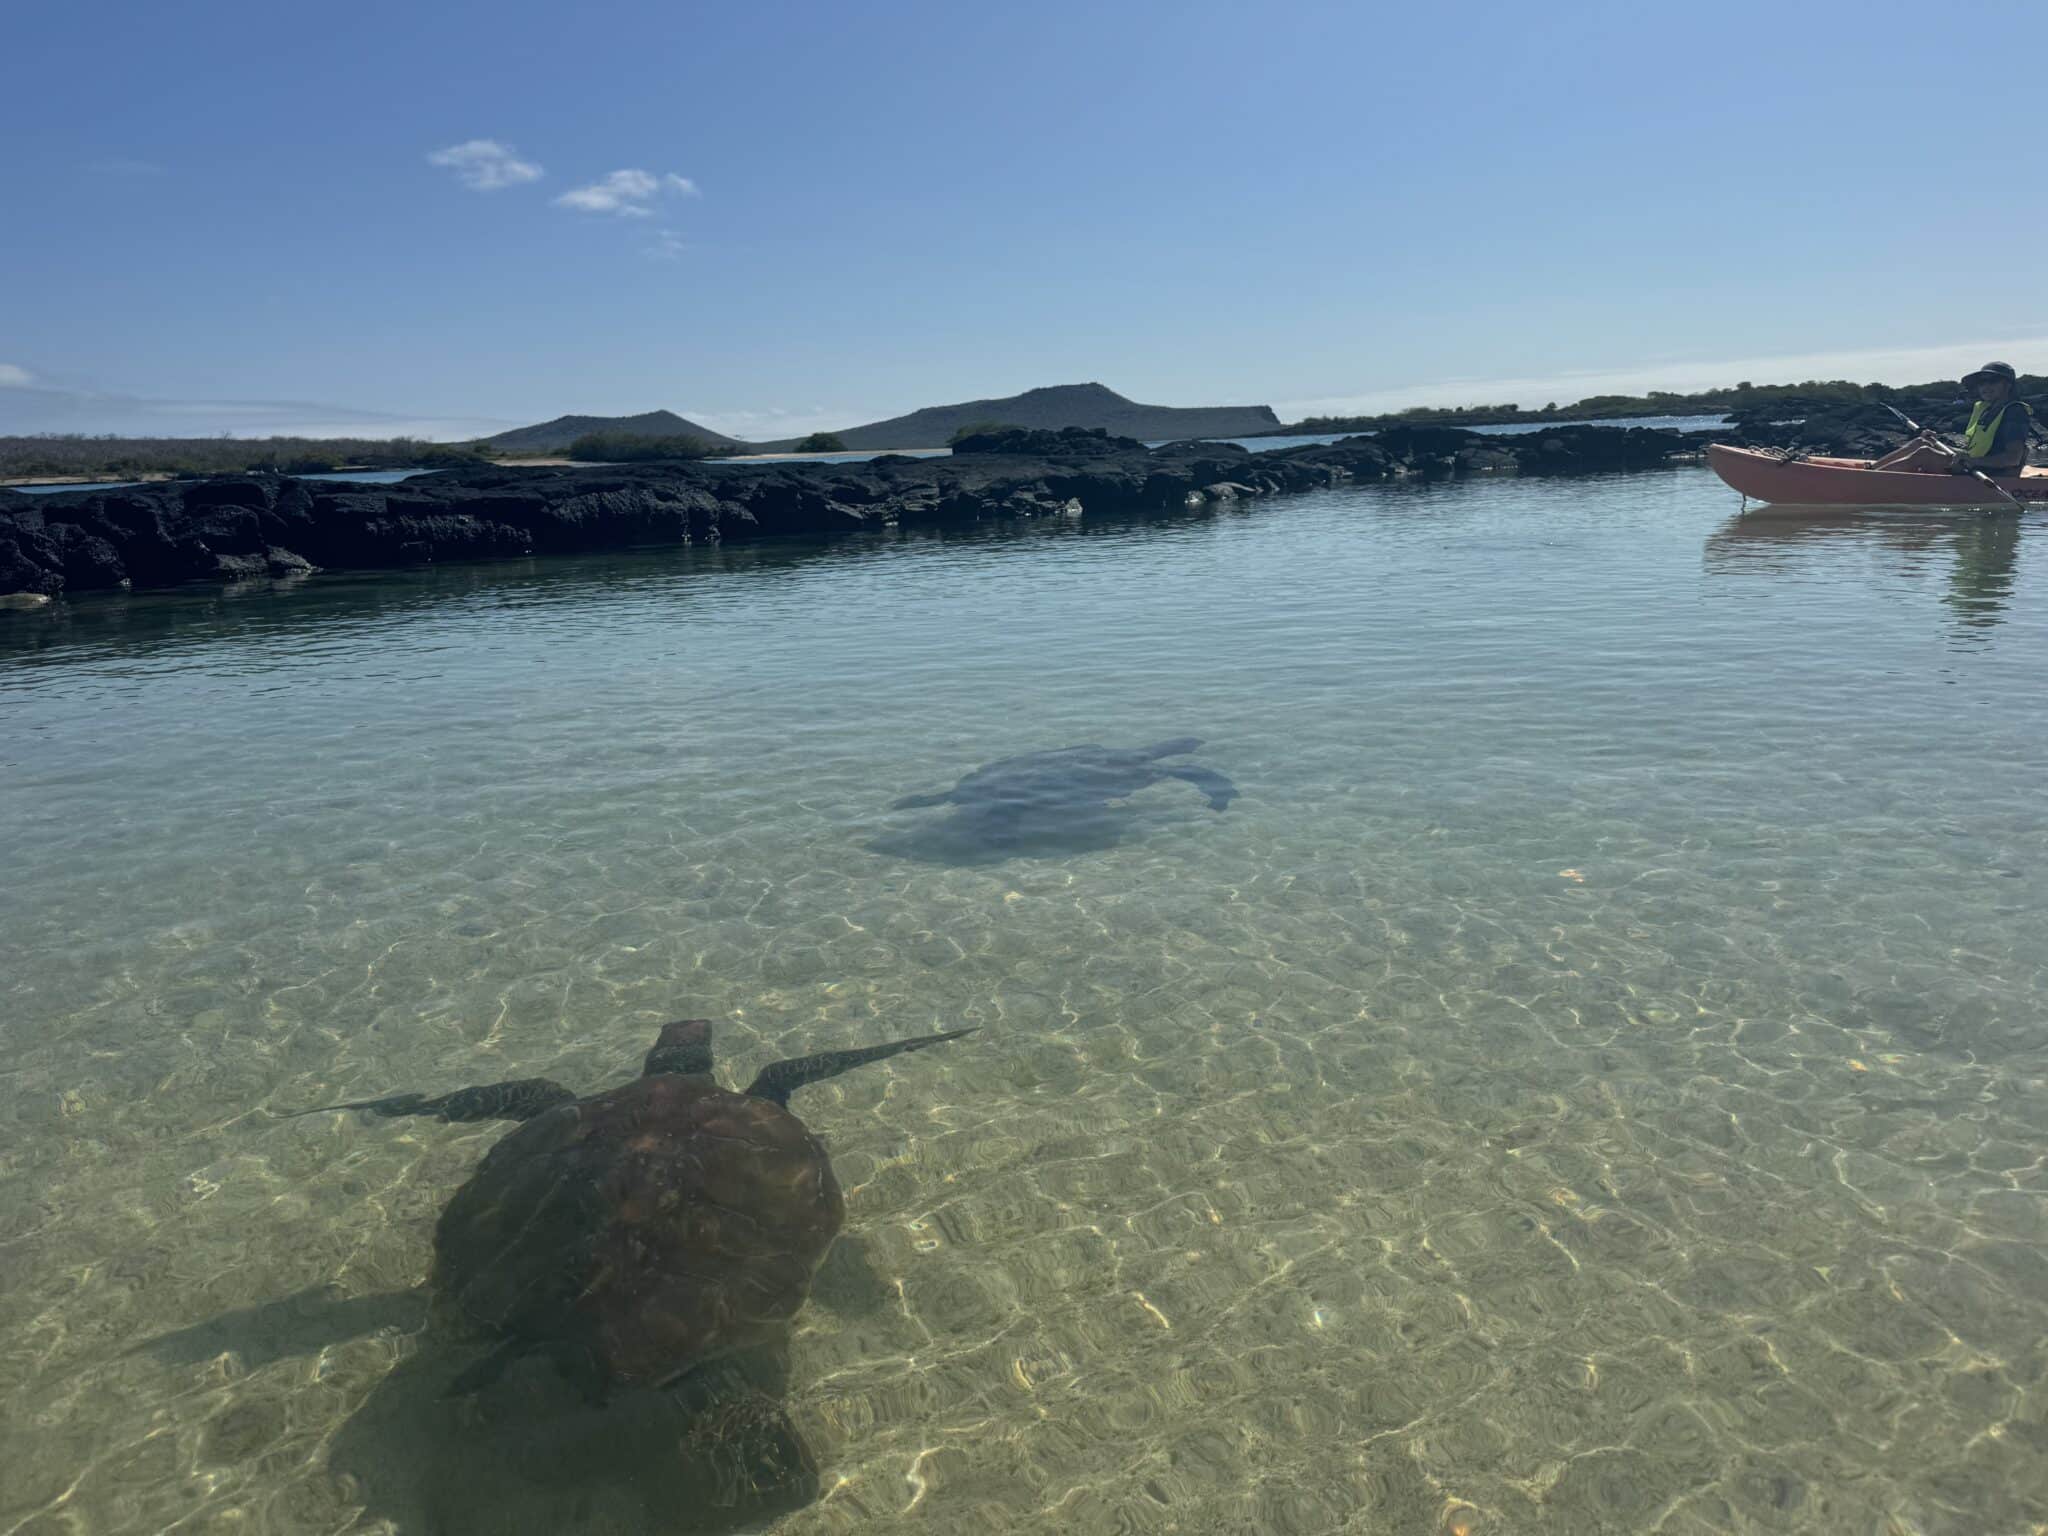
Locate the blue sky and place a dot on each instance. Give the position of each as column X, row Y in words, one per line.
column 775, row 216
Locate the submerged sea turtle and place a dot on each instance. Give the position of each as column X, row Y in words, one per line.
column 645, row 1230
column 1073, row 779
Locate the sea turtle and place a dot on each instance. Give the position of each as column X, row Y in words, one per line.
column 1036, row 786
column 640, row 1232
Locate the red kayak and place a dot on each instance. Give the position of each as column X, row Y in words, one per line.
column 1817, row 482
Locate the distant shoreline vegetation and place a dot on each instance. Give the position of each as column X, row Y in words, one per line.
column 124, row 458
column 1658, row 402
column 632, row 448
column 86, row 458
column 981, row 429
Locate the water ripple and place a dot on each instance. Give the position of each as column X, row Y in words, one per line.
column 1592, row 1078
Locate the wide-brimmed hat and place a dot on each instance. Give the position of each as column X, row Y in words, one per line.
column 1992, row 371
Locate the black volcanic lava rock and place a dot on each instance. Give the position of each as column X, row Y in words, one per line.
column 31, row 557
column 1578, row 450
column 89, row 560
column 236, row 527
column 1830, row 428
column 1856, row 430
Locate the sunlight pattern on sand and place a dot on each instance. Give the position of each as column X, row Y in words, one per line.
column 1591, row 1079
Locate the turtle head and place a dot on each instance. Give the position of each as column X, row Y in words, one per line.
column 684, row 1046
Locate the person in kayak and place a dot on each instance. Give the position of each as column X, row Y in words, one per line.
column 1995, row 441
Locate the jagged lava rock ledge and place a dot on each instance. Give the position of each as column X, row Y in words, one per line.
column 243, row 526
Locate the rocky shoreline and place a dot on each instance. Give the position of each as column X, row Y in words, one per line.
column 1854, row 430
column 246, row 526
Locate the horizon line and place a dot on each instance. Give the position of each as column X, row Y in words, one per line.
column 1528, row 392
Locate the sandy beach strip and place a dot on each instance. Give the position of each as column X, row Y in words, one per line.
column 20, row 480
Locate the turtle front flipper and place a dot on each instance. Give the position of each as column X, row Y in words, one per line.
column 779, row 1079
column 1211, row 783
column 520, row 1099
column 918, row 802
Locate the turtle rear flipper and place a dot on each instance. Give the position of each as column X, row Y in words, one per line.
column 737, row 1436
column 751, row 1455
column 520, row 1099
column 779, row 1079
column 1211, row 783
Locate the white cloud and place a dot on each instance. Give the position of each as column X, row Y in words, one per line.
column 773, row 423
column 13, row 376
column 668, row 246
column 1891, row 365
column 628, row 193
column 620, row 192
column 485, row 165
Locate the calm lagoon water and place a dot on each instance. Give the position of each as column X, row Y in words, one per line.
column 1501, row 429
column 359, row 476
column 1595, row 1078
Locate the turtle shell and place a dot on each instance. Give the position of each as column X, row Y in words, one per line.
column 660, row 1224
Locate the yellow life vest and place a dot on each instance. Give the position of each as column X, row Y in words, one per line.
column 1982, row 431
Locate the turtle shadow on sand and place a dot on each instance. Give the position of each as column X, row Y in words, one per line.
column 301, row 1325
column 532, row 1453
column 292, row 1327
column 636, row 1257
column 1048, row 804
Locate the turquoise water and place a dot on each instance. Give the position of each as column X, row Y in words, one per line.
column 360, row 476
column 58, row 490
column 1591, row 1079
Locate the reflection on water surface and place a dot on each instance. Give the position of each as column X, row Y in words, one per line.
column 1591, row 1079
column 1982, row 548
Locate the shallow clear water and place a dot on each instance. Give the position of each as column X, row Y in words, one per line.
column 1499, row 429
column 1592, row 1079
column 70, row 486
column 1661, row 423
column 359, row 476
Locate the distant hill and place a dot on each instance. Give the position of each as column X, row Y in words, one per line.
column 554, row 436
column 1062, row 405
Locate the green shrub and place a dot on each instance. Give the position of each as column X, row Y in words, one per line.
column 117, row 458
column 980, row 428
column 447, row 455
column 821, row 442
column 625, row 448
